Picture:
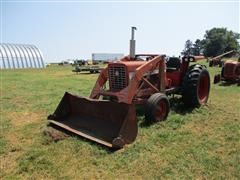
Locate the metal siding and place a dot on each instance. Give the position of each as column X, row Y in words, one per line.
column 25, row 56
column 33, row 57
column 20, row 61
column 12, row 59
column 29, row 56
column 20, row 55
column 15, row 56
column 3, row 57
column 27, row 59
column 36, row 55
column 3, row 61
column 40, row 55
column 6, row 57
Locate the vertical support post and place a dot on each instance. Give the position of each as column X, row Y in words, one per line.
column 162, row 74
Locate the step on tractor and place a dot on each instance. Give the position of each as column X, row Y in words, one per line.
column 230, row 72
column 108, row 116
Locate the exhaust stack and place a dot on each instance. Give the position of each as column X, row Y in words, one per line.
column 132, row 44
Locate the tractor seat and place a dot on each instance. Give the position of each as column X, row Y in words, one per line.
column 173, row 64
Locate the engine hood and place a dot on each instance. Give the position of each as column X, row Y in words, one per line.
column 130, row 65
column 231, row 62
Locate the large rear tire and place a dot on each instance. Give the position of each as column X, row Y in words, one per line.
column 157, row 108
column 196, row 86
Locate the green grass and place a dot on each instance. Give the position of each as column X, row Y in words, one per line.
column 202, row 143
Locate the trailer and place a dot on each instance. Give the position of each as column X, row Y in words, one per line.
column 91, row 69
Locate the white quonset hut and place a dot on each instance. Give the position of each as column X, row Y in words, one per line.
column 17, row 56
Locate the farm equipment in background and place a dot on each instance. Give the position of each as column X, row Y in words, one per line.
column 79, row 62
column 230, row 72
column 217, row 61
column 91, row 69
column 194, row 58
column 108, row 116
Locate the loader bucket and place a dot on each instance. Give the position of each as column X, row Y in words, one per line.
column 109, row 123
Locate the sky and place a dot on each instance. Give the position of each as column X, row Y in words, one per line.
column 76, row 29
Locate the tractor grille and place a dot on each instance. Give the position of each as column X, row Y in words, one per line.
column 118, row 76
column 228, row 69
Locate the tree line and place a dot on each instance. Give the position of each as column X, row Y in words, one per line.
column 216, row 41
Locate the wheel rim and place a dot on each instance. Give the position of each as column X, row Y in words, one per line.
column 203, row 88
column 161, row 110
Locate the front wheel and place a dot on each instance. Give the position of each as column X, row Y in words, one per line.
column 157, row 108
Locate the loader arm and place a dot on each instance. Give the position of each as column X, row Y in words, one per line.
column 128, row 93
column 221, row 55
column 102, row 79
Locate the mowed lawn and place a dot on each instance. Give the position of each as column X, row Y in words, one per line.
column 202, row 143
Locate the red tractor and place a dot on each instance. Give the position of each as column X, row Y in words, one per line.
column 230, row 72
column 108, row 116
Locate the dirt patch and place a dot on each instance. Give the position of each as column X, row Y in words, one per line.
column 17, row 139
column 55, row 133
column 199, row 127
column 9, row 162
column 214, row 119
column 19, row 119
column 13, row 138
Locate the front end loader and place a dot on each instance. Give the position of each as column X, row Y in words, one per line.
column 108, row 116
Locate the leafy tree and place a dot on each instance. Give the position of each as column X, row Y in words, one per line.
column 197, row 48
column 188, row 48
column 193, row 49
column 219, row 40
